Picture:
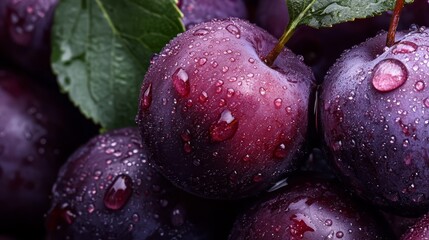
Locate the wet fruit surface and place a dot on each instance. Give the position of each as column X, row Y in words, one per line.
column 25, row 33
column 374, row 112
column 215, row 119
column 309, row 209
column 36, row 136
column 108, row 190
column 418, row 231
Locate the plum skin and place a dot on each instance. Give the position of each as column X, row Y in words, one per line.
column 147, row 206
column 260, row 113
column 36, row 136
column 309, row 207
column 377, row 134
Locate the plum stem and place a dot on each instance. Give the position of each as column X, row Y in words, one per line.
column 289, row 31
column 394, row 23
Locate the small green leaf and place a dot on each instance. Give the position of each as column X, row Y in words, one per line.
column 325, row 13
column 102, row 49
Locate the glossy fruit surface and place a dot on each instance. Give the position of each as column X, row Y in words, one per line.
column 311, row 209
column 198, row 11
column 25, row 27
column 419, row 231
column 216, row 120
column 36, row 136
column 374, row 112
column 108, row 190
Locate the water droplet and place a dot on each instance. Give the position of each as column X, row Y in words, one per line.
column 224, row 128
column 61, row 215
column 187, row 147
column 262, row 91
column 419, row 86
column 280, row 152
column 246, row 158
column 225, row 69
column 177, row 217
column 251, row 60
column 426, row 102
column 201, row 32
column 278, row 103
column 339, row 234
column 389, row 74
column 203, row 97
column 328, row 222
column 231, row 28
column 258, row 178
column 230, row 92
column 91, row 208
column 214, row 64
column 118, row 193
column 181, row 82
column 404, row 47
column 202, row 61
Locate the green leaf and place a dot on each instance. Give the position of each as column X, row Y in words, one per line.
column 325, row 13
column 102, row 49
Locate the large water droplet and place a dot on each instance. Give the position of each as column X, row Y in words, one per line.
column 181, row 82
column 119, row 192
column 224, row 128
column 404, row 47
column 201, row 32
column 389, row 74
column 147, row 98
column 234, row 30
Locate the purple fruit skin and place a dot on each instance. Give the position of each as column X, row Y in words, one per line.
column 35, row 139
column 378, row 140
column 309, row 208
column 25, row 27
column 178, row 131
column 154, row 210
column 419, row 231
column 273, row 16
column 198, row 11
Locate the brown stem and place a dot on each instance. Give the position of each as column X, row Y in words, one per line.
column 394, row 23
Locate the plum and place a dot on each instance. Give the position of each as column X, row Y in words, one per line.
column 374, row 114
column 38, row 129
column 215, row 119
column 310, row 207
column 25, row 27
column 198, row 11
column 108, row 190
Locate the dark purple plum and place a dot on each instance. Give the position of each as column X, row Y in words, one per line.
column 375, row 113
column 25, row 27
column 419, row 231
column 37, row 133
column 108, row 190
column 198, row 11
column 321, row 47
column 273, row 16
column 216, row 120
column 309, row 208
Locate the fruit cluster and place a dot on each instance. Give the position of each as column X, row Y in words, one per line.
column 319, row 142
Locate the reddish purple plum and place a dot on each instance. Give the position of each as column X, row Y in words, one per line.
column 25, row 27
column 38, row 130
column 375, row 113
column 216, row 120
column 108, row 190
column 309, row 208
column 198, row 11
